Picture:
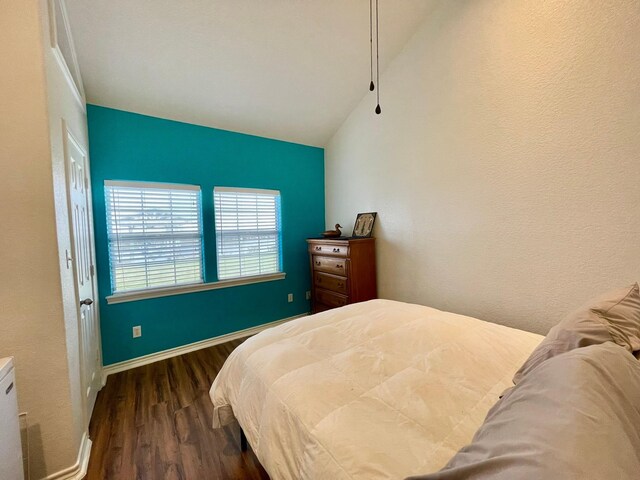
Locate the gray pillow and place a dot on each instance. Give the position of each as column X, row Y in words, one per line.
column 576, row 416
column 612, row 317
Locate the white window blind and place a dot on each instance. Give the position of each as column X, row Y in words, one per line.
column 155, row 235
column 248, row 234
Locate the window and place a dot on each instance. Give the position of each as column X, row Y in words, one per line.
column 155, row 235
column 248, row 234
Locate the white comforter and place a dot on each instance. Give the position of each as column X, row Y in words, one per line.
column 374, row 390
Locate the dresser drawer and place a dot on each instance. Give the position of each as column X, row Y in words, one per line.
column 331, row 299
column 329, row 265
column 327, row 249
column 343, row 271
column 330, row 282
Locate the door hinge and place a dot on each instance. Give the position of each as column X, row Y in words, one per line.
column 92, row 270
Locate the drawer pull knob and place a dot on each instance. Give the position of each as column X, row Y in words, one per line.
column 340, row 285
column 339, row 265
column 336, row 250
column 318, row 263
column 318, row 248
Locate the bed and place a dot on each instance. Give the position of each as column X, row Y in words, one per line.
column 373, row 390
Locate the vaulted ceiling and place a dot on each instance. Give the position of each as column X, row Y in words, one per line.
column 286, row 69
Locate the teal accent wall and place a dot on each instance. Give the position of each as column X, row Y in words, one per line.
column 128, row 146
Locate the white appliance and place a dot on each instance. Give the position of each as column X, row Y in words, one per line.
column 10, row 445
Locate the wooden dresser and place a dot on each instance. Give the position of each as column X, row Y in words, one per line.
column 343, row 271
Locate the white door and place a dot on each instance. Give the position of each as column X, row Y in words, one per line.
column 83, row 255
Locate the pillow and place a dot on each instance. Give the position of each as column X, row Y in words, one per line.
column 575, row 417
column 612, row 317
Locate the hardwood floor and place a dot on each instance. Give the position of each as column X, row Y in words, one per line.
column 154, row 423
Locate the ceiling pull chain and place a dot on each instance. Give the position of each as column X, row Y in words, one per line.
column 378, row 109
column 371, row 85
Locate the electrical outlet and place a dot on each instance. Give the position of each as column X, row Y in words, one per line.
column 290, row 297
column 137, row 331
column 308, row 295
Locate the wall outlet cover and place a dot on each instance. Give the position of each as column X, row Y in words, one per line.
column 308, row 295
column 137, row 331
column 290, row 297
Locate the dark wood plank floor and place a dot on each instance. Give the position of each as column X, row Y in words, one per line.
column 154, row 423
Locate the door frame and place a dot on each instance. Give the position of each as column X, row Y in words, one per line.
column 69, row 136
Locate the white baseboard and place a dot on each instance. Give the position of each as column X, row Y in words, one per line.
column 192, row 347
column 78, row 470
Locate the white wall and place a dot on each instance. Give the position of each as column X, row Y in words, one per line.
column 505, row 166
column 35, row 292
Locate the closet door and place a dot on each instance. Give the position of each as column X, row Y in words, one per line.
column 81, row 219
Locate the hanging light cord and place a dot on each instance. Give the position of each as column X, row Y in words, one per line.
column 371, row 84
column 378, row 109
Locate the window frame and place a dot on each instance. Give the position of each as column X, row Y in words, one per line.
column 140, row 185
column 158, row 292
column 277, row 195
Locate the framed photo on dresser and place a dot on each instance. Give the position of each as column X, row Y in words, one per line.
column 364, row 225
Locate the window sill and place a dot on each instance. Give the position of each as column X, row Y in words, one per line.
column 197, row 287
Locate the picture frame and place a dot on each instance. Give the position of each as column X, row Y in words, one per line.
column 364, row 225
